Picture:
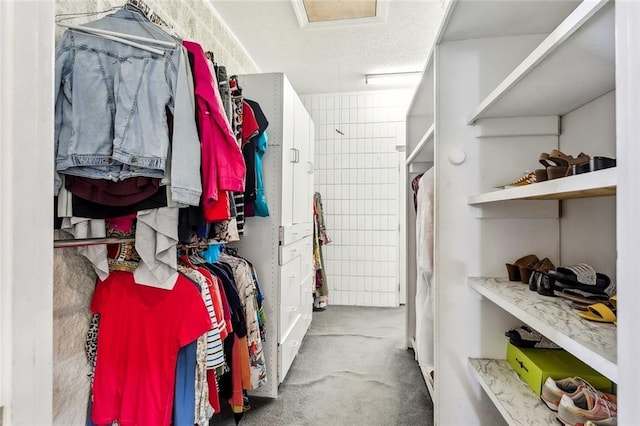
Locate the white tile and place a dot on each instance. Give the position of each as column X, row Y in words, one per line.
column 361, row 117
column 377, row 283
column 344, row 173
column 344, row 119
column 369, row 238
column 377, row 270
column 376, row 191
column 384, row 301
column 360, row 195
column 352, row 298
column 337, row 116
column 368, row 192
column 375, row 299
column 369, row 250
column 368, row 299
column 360, row 130
column 337, row 102
column 393, row 300
column 360, row 298
column 353, row 101
column 353, row 130
column 360, row 283
column 353, row 161
column 353, row 191
column 353, row 118
column 368, row 176
column 368, row 285
column 368, row 101
column 322, row 102
column 344, row 99
column 368, row 115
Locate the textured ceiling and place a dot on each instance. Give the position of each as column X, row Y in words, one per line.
column 330, row 58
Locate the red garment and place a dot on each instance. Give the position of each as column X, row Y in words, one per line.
column 214, row 398
column 218, row 210
column 141, row 330
column 217, row 300
column 250, row 126
column 223, row 166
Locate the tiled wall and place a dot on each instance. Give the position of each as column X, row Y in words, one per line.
column 356, row 172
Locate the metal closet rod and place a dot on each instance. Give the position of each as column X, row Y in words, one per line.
column 78, row 242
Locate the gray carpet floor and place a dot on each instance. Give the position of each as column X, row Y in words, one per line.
column 352, row 369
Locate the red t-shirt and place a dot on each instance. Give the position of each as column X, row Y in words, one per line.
column 141, row 330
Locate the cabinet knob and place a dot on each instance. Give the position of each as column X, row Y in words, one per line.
column 295, row 343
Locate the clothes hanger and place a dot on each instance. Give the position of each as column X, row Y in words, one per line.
column 128, row 39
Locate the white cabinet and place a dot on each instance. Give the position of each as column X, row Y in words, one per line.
column 507, row 81
column 280, row 246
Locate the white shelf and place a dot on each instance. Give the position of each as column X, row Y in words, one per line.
column 426, row 370
column 592, row 184
column 471, row 20
column 517, row 403
column 426, row 138
column 572, row 66
column 593, row 343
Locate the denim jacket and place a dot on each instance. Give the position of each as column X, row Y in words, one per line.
column 111, row 100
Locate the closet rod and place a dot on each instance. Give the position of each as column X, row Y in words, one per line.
column 90, row 242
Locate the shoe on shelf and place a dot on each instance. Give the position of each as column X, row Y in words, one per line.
column 552, row 391
column 581, row 276
column 513, row 269
column 543, row 266
column 587, row 405
column 526, row 337
column 563, row 164
column 527, row 178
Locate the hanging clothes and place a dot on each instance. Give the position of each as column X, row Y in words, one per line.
column 425, row 296
column 109, row 134
column 135, row 386
column 320, row 238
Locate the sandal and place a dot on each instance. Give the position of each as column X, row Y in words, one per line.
column 563, row 164
column 599, row 312
column 544, row 266
column 513, row 269
column 581, row 276
column 582, row 297
column 561, row 159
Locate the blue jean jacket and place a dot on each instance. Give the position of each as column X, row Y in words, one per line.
column 111, row 101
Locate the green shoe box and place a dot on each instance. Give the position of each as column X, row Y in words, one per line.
column 535, row 365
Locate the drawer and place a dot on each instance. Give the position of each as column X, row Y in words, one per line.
column 292, row 233
column 306, row 301
column 289, row 297
column 302, row 247
column 306, row 258
column 288, row 349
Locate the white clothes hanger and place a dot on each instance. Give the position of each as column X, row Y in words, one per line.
column 128, row 39
column 115, row 36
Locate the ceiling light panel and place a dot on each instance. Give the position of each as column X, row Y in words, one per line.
column 336, row 10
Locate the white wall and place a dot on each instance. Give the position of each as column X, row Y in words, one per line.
column 26, row 133
column 358, row 177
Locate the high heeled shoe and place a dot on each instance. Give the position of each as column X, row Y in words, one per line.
column 513, row 269
column 563, row 164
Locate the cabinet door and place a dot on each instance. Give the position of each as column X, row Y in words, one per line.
column 289, row 152
column 303, row 167
column 289, row 296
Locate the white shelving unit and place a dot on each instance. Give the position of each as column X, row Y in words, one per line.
column 511, row 80
column 594, row 184
column 593, row 343
column 572, row 66
column 425, row 140
column 513, row 398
